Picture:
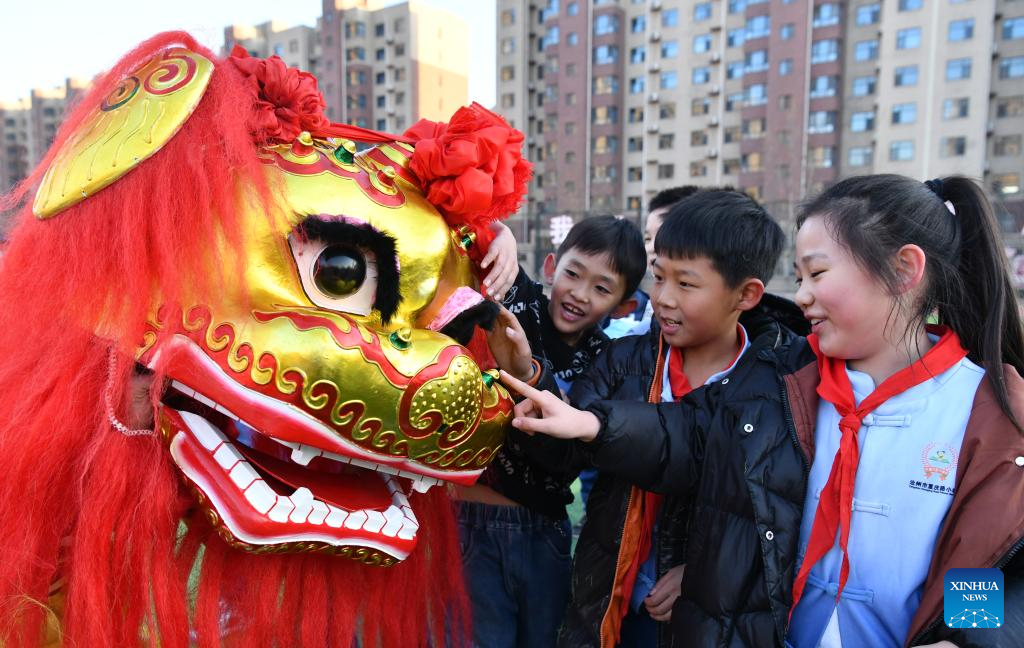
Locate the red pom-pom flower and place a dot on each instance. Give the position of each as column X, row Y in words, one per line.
column 472, row 168
column 287, row 99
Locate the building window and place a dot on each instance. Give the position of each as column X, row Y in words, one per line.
column 634, row 174
column 956, row 108
column 821, row 121
column 379, row 54
column 905, row 76
column 909, row 38
column 551, row 37
column 606, row 24
column 862, row 121
column 785, row 101
column 605, row 115
column 961, row 30
column 868, row 14
column 904, row 113
column 786, row 31
column 701, row 75
column 606, row 144
column 911, row 5
column 508, row 100
column 605, row 54
column 570, row 98
column 758, row 27
column 750, row 162
column 637, row 55
column 756, row 61
column 670, row 18
column 381, row 101
column 785, row 67
column 1007, row 146
column 952, row 146
column 380, row 78
column 733, row 101
column 824, row 86
column 866, row 50
column 636, row 85
column 864, row 86
column 823, row 51
column 860, row 156
column 700, row 106
column 1010, row 106
column 1013, row 28
column 508, row 45
column 636, row 115
column 698, row 169
column 822, row 157
column 701, row 11
column 734, row 70
column 958, row 69
column 737, row 6
column 569, row 128
column 826, row 14
column 382, row 124
column 666, row 171
column 698, row 137
column 605, row 85
column 734, row 37
column 635, row 144
column 901, row 151
column 356, row 54
column 670, row 49
column 508, row 15
column 666, row 141
column 1011, row 68
column 572, row 9
column 638, row 25
column 701, row 44
column 757, row 94
column 753, row 128
column 667, row 110
column 572, row 38
column 670, row 80
column 1006, row 184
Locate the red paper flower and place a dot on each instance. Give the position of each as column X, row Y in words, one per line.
column 472, row 168
column 287, row 99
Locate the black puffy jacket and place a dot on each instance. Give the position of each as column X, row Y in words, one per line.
column 625, row 371
column 741, row 449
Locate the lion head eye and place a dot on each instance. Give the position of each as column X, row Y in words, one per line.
column 337, row 276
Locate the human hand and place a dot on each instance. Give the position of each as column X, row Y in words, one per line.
column 503, row 260
column 509, row 346
column 663, row 595
column 546, row 413
column 941, row 644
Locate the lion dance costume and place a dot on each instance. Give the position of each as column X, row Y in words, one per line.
column 305, row 312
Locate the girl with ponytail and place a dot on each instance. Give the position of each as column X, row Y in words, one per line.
column 838, row 477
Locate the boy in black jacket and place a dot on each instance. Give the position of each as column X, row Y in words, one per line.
column 715, row 251
column 513, row 523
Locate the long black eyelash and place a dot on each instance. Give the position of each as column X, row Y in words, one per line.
column 388, row 295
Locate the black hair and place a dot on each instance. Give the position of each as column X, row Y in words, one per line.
column 967, row 278
column 618, row 238
column 729, row 228
column 670, row 196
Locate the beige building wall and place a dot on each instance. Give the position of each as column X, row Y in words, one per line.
column 439, row 48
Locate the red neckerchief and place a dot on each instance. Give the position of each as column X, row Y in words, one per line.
column 680, row 385
column 835, row 507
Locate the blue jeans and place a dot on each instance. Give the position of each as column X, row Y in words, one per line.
column 517, row 568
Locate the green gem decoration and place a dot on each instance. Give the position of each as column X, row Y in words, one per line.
column 488, row 378
column 398, row 341
column 343, row 155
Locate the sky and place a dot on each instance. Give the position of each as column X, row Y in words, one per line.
column 42, row 43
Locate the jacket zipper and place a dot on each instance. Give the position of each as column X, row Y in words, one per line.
column 629, row 501
column 1003, row 562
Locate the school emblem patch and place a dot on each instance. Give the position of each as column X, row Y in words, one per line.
column 938, row 462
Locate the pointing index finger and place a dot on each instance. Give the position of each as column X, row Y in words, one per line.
column 518, row 385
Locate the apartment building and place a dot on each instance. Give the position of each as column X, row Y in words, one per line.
column 28, row 127
column 296, row 46
column 387, row 66
column 623, row 98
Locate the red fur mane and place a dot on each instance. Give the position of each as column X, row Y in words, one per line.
column 105, row 515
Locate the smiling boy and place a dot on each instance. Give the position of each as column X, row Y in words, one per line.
column 513, row 524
